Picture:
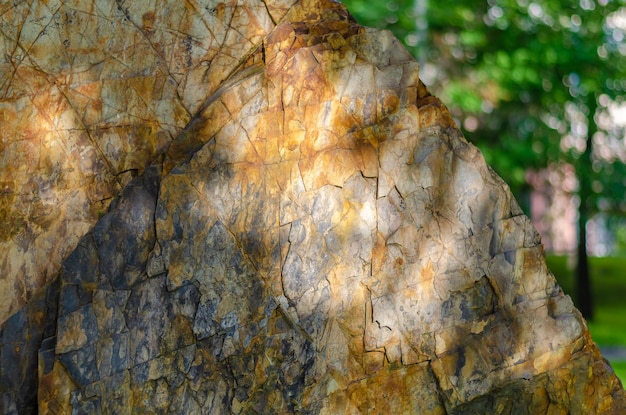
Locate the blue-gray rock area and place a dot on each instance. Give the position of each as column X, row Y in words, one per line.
column 319, row 239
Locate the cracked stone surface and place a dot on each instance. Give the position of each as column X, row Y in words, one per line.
column 90, row 94
column 257, row 207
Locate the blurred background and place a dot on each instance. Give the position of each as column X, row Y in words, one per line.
column 539, row 86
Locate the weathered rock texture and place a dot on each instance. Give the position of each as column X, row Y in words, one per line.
column 302, row 228
column 90, row 93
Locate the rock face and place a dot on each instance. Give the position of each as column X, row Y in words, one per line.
column 302, row 228
column 90, row 94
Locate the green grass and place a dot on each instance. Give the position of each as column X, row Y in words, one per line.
column 608, row 280
column 608, row 327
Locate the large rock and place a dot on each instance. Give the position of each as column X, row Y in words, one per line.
column 307, row 231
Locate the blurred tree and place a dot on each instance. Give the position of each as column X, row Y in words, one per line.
column 533, row 83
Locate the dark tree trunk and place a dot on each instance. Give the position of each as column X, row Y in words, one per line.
column 583, row 280
column 585, row 170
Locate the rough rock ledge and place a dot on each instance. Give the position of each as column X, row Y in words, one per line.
column 301, row 226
